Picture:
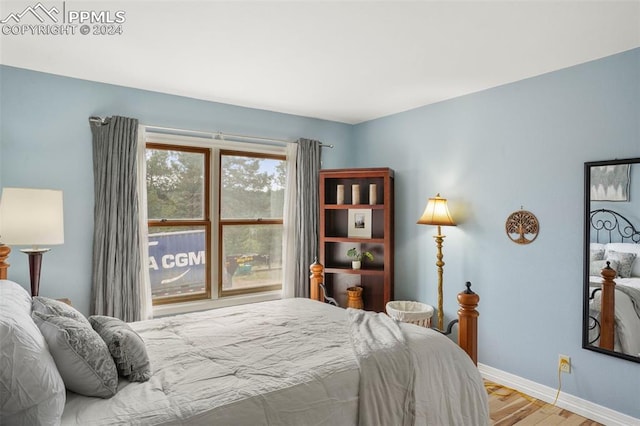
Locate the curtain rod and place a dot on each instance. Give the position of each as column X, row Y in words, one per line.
column 213, row 135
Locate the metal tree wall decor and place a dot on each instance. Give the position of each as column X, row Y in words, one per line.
column 522, row 227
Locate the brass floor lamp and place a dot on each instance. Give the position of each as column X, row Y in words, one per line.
column 437, row 213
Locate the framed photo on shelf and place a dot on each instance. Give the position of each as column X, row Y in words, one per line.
column 359, row 223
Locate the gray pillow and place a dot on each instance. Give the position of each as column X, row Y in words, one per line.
column 126, row 346
column 55, row 307
column 596, row 254
column 596, row 266
column 82, row 357
column 625, row 262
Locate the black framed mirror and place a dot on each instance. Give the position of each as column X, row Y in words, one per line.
column 611, row 310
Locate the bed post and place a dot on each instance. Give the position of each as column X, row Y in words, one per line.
column 607, row 304
column 468, row 322
column 4, row 254
column 316, row 279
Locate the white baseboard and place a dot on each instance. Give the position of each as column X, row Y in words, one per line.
column 572, row 403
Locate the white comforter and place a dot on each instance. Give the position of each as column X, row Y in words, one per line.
column 287, row 362
column 386, row 369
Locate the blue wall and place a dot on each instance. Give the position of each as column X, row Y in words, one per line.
column 489, row 153
column 46, row 143
column 522, row 144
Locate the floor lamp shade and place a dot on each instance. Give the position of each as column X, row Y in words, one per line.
column 32, row 217
column 436, row 213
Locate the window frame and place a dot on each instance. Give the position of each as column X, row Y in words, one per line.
column 183, row 139
column 242, row 222
column 205, row 221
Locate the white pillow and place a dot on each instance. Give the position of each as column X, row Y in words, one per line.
column 627, row 248
column 31, row 389
column 14, row 297
column 82, row 357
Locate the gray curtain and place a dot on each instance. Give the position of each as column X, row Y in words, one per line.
column 115, row 287
column 308, row 168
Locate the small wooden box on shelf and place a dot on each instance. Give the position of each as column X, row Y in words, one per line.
column 366, row 225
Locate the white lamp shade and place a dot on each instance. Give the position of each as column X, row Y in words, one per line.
column 436, row 213
column 31, row 217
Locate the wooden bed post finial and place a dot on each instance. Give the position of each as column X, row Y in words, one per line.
column 4, row 254
column 468, row 322
column 316, row 279
column 607, row 306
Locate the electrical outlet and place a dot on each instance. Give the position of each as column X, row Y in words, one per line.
column 564, row 363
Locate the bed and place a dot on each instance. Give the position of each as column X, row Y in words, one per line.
column 286, row 362
column 614, row 283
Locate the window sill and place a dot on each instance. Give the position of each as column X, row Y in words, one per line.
column 203, row 305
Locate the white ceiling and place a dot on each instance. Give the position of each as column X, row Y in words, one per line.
column 337, row 60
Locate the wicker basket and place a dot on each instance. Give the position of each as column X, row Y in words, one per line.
column 411, row 312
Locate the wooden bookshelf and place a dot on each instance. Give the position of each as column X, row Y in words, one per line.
column 337, row 228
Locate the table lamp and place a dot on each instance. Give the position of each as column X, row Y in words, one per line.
column 32, row 217
column 437, row 213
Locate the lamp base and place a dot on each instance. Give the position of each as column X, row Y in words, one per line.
column 35, row 261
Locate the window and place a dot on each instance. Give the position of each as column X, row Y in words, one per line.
column 178, row 182
column 215, row 215
column 251, row 219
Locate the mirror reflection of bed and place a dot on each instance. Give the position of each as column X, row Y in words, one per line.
column 612, row 258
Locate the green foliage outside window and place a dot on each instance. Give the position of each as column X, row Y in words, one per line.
column 175, row 187
column 251, row 188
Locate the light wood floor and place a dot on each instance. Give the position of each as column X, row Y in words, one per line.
column 510, row 407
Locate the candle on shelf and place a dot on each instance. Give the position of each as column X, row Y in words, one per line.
column 373, row 193
column 355, row 194
column 340, row 194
